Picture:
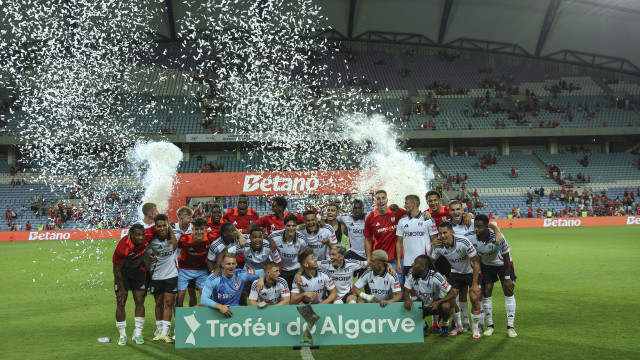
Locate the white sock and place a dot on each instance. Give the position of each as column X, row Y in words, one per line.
column 166, row 325
column 122, row 327
column 456, row 319
column 139, row 325
column 158, row 326
column 448, row 322
column 475, row 319
column 352, row 302
column 464, row 309
column 510, row 305
column 487, row 305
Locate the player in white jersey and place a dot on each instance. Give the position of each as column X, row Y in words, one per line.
column 290, row 244
column 428, row 286
column 462, row 228
column 319, row 238
column 275, row 290
column 496, row 265
column 465, row 270
column 341, row 271
column 183, row 226
column 315, row 283
column 164, row 276
column 414, row 234
column 353, row 227
column 384, row 287
column 228, row 239
column 259, row 250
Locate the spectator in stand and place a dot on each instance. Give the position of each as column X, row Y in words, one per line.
column 28, row 226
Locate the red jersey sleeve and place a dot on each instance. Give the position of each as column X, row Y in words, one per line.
column 120, row 253
column 368, row 229
column 300, row 218
column 226, row 216
column 254, row 215
column 262, row 222
column 184, row 239
column 401, row 212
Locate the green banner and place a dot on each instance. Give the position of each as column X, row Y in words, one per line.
column 338, row 324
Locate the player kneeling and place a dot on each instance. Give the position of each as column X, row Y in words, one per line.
column 428, row 285
column 315, row 283
column 275, row 290
column 384, row 287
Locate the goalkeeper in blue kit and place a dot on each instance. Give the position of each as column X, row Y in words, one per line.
column 221, row 292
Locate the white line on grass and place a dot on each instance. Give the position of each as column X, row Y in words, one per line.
column 305, row 352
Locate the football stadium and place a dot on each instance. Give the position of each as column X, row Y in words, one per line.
column 311, row 179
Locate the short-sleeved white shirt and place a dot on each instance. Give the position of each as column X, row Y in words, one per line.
column 382, row 286
column 318, row 284
column 270, row 294
column 459, row 255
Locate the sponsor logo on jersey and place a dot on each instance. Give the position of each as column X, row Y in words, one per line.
column 562, row 222
column 279, row 183
column 388, row 228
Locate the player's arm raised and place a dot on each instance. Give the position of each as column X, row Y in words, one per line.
column 493, row 226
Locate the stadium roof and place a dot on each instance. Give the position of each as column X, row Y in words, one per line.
column 568, row 30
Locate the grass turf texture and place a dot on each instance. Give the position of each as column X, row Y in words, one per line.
column 576, row 298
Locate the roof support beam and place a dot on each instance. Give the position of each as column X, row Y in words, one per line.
column 552, row 10
column 448, row 4
column 352, row 15
column 172, row 24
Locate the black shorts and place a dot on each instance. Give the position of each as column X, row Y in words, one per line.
column 491, row 274
column 443, row 266
column 458, row 281
column 344, row 298
column 169, row 286
column 289, row 275
column 353, row 255
column 133, row 279
column 192, row 284
column 427, row 311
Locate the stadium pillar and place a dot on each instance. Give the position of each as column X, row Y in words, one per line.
column 552, row 146
column 451, row 147
column 605, row 145
column 185, row 152
column 505, row 146
column 11, row 155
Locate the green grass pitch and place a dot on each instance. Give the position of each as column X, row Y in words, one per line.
column 577, row 294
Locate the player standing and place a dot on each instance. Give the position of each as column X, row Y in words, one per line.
column 192, row 261
column 129, row 274
column 315, row 283
column 414, row 234
column 465, row 270
column 215, row 222
column 383, row 286
column 496, row 265
column 185, row 217
column 164, row 277
column 275, row 290
column 290, row 243
column 228, row 239
column 428, row 285
column 274, row 221
column 380, row 226
column 353, row 226
column 318, row 238
column 333, row 211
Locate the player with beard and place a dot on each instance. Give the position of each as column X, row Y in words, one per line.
column 380, row 230
column 315, row 283
column 496, row 265
column 290, row 243
column 275, row 290
column 228, row 239
column 383, row 286
column 428, row 285
column 164, row 276
column 465, row 270
column 274, row 221
column 318, row 238
column 129, row 274
column 214, row 222
column 192, row 260
column 460, row 229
